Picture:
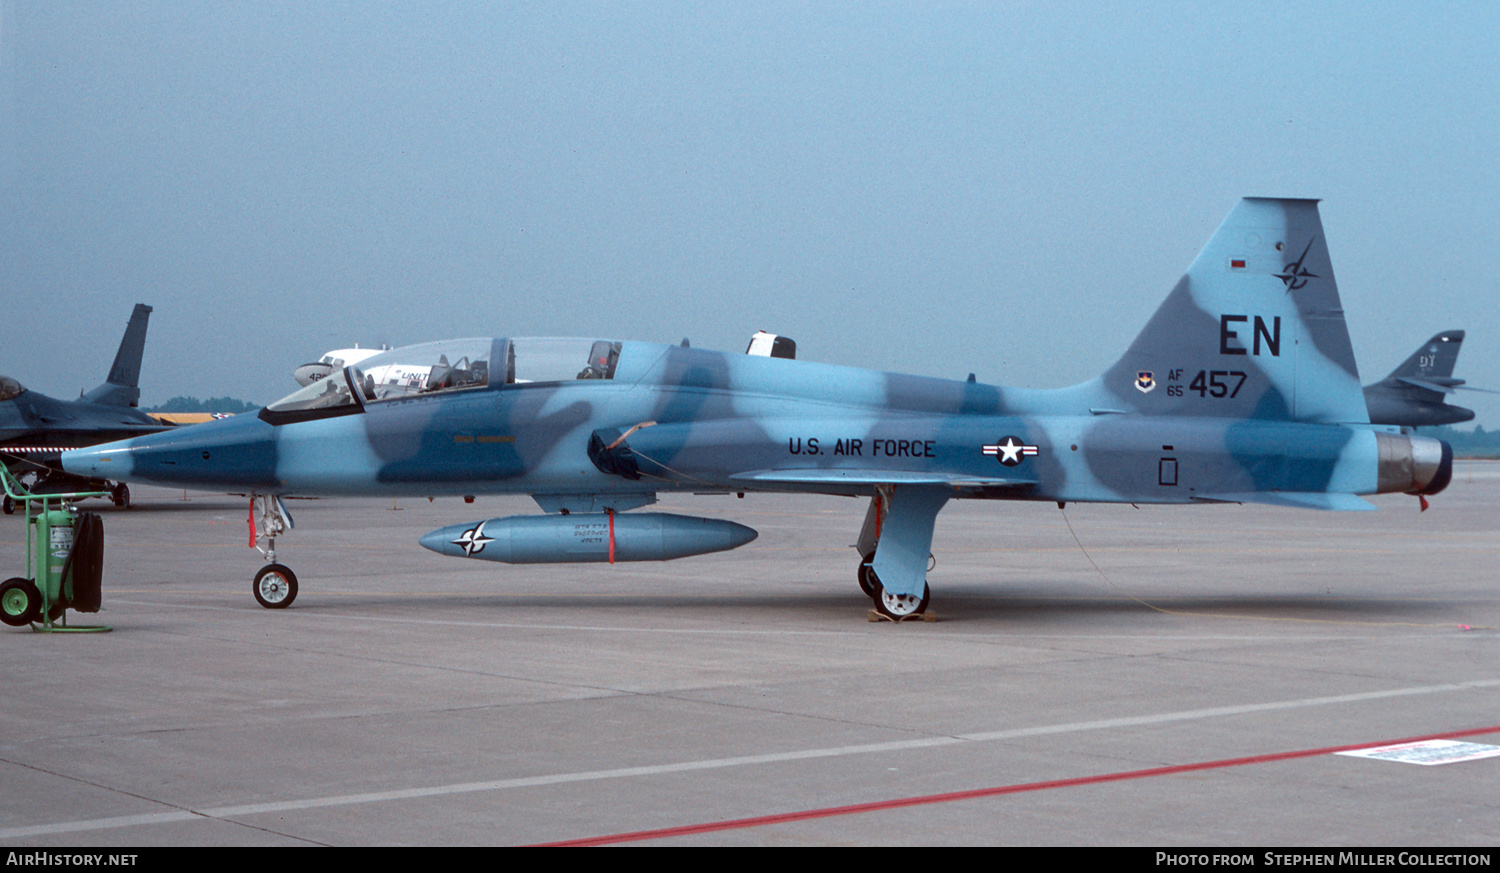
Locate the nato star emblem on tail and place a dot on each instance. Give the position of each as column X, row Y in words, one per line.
column 1295, row 275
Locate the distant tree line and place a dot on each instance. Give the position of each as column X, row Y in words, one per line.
column 212, row 404
column 1476, row 443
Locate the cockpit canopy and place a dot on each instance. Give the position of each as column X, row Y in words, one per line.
column 446, row 366
column 10, row 388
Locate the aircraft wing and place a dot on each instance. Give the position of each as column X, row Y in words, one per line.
column 1300, row 499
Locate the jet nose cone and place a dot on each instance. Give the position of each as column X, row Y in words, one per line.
column 109, row 461
column 236, row 452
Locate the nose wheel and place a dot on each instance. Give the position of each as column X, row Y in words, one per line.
column 275, row 586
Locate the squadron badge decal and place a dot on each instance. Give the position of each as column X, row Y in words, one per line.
column 1010, row 451
column 1145, row 380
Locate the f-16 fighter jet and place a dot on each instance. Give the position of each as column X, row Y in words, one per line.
column 35, row 428
column 1241, row 388
column 1415, row 393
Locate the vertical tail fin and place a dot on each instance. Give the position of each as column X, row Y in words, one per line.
column 1435, row 359
column 122, row 388
column 1254, row 329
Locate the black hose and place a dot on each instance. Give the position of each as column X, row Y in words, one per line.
column 83, row 571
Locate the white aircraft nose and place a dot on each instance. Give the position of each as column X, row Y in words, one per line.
column 310, row 373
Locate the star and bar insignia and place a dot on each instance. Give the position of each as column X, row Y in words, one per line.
column 1010, row 451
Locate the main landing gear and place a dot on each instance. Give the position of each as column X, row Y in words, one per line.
column 894, row 546
column 275, row 586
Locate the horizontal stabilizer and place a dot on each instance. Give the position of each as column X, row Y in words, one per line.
column 1298, row 499
column 1446, row 386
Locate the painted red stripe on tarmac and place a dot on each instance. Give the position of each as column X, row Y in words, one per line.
column 898, row 803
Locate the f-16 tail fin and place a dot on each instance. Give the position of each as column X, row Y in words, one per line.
column 122, row 388
column 1254, row 329
column 1415, row 394
column 1431, row 366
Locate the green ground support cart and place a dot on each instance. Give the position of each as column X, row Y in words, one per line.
column 64, row 562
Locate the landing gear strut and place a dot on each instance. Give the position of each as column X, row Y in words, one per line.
column 896, row 538
column 275, row 586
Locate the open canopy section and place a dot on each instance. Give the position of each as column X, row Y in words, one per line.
column 559, row 359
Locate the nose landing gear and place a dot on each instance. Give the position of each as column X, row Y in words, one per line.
column 275, row 586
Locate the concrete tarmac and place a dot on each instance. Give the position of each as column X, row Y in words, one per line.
column 744, row 697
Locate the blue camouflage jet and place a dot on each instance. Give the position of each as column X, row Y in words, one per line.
column 1241, row 388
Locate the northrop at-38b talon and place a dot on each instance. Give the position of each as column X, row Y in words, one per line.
column 1241, row 388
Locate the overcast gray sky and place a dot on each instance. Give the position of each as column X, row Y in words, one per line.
column 1007, row 188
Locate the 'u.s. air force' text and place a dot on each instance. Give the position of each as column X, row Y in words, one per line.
column 877, row 448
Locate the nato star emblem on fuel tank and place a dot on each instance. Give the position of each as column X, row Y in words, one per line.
column 1010, row 451
column 473, row 540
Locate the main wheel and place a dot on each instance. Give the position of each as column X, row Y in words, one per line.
column 898, row 606
column 275, row 587
column 120, row 496
column 902, row 605
column 866, row 576
column 20, row 602
column 10, row 505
